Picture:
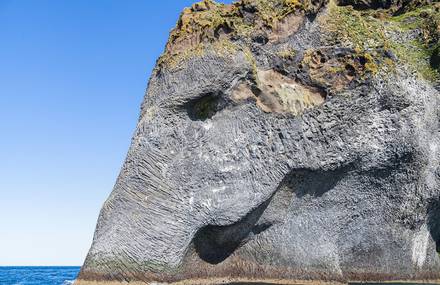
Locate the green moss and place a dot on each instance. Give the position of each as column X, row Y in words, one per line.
column 222, row 48
column 363, row 33
column 272, row 11
column 370, row 64
column 369, row 34
column 251, row 60
column 425, row 18
column 208, row 22
column 287, row 53
column 349, row 27
column 336, row 69
column 173, row 61
column 416, row 55
column 419, row 53
column 408, row 21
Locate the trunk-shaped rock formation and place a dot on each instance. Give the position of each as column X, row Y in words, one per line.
column 283, row 141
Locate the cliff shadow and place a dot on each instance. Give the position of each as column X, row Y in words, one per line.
column 434, row 222
column 314, row 182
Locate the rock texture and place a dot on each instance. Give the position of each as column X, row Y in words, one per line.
column 283, row 140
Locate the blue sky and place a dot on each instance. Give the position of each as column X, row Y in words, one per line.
column 72, row 76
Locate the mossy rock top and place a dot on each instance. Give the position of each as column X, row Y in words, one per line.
column 207, row 21
column 387, row 33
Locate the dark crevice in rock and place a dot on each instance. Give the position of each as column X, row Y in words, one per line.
column 435, row 59
column 312, row 16
column 222, row 30
column 434, row 222
column 260, row 39
column 362, row 60
column 204, row 107
column 214, row 244
column 351, row 71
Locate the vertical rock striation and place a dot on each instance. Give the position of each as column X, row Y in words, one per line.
column 283, row 140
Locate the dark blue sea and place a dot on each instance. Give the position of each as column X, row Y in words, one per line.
column 30, row 275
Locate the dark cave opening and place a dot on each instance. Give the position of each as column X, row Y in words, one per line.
column 214, row 244
column 434, row 222
column 211, row 245
column 204, row 107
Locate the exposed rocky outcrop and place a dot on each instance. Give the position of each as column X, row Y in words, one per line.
column 283, row 141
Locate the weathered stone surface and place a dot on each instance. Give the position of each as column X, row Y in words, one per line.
column 281, row 141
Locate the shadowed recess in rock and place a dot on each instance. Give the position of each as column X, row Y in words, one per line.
column 314, row 182
column 434, row 222
column 214, row 244
column 435, row 59
column 205, row 106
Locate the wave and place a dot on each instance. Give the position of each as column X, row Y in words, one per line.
column 68, row 282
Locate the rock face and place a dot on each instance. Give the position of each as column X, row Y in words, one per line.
column 279, row 141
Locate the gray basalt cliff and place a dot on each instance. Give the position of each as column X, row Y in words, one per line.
column 283, row 141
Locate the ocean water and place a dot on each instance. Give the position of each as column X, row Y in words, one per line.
column 38, row 275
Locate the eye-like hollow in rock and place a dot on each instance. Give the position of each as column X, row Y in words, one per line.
column 205, row 107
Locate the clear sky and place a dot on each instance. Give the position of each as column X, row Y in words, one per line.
column 72, row 76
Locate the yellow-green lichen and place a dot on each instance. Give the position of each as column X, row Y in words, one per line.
column 420, row 51
column 287, row 53
column 208, row 22
column 335, row 70
column 253, row 63
column 272, row 11
column 222, row 48
column 370, row 64
column 374, row 36
column 349, row 27
column 418, row 57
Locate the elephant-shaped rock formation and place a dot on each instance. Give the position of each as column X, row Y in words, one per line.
column 282, row 141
